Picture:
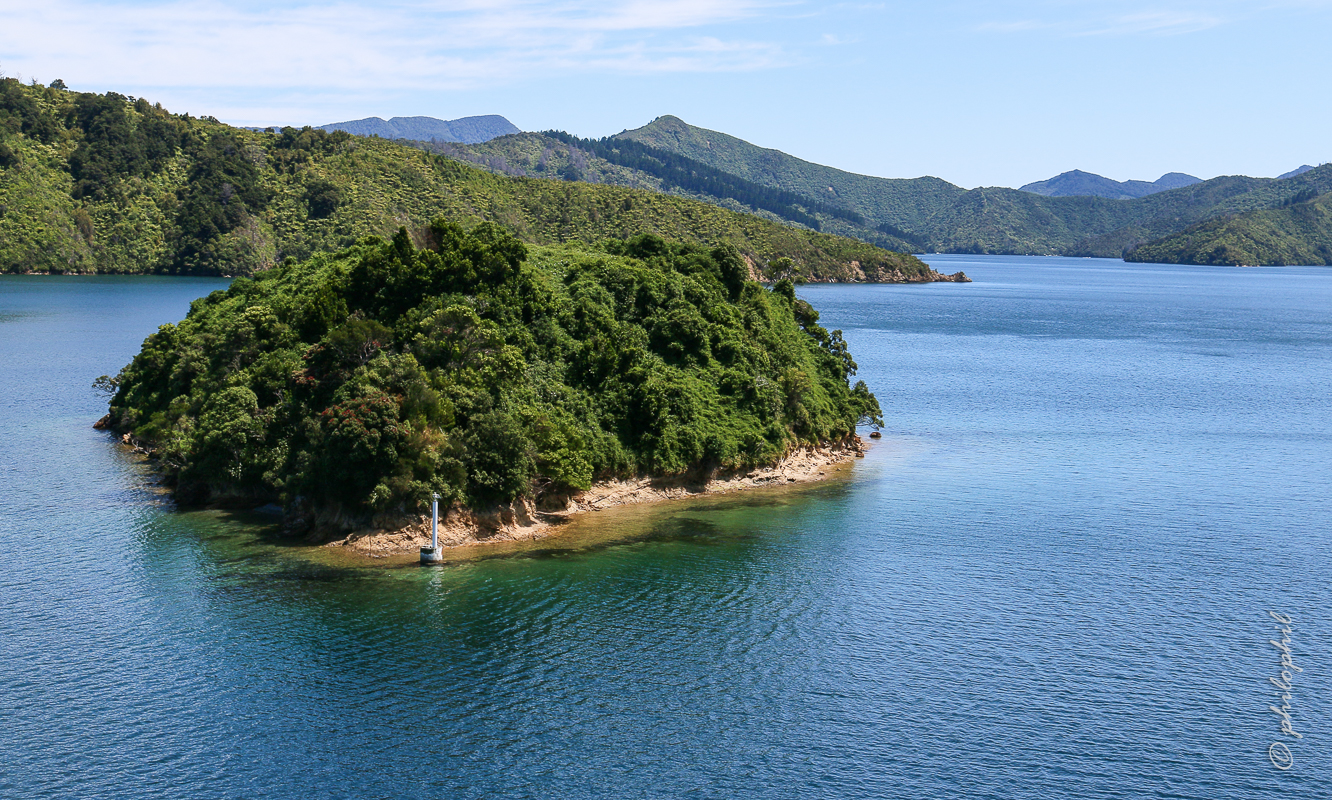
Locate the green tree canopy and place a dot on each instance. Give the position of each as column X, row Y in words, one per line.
column 486, row 371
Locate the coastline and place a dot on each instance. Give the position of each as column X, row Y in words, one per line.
column 857, row 275
column 461, row 527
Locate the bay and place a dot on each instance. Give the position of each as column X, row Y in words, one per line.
column 1050, row 578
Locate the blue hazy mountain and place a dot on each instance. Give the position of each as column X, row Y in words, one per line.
column 1086, row 184
column 1294, row 172
column 469, row 130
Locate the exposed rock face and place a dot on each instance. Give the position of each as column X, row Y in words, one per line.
column 876, row 274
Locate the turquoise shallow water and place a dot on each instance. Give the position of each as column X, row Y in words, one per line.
column 1051, row 579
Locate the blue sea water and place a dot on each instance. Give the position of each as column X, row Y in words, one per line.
column 1051, row 578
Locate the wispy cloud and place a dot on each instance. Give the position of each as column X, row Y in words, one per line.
column 1158, row 23
column 350, row 46
column 1097, row 22
column 1015, row 26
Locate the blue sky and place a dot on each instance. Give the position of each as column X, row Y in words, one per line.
column 978, row 93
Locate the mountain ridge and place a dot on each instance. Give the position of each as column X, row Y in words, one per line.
column 471, row 130
column 996, row 220
column 1076, row 183
column 1300, row 170
column 100, row 183
column 902, row 202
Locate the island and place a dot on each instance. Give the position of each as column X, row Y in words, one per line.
column 510, row 380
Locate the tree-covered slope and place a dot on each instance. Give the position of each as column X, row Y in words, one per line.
column 1297, row 234
column 365, row 380
column 946, row 218
column 97, row 183
column 904, row 203
column 623, row 162
column 1171, row 212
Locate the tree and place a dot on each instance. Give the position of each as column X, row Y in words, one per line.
column 783, row 269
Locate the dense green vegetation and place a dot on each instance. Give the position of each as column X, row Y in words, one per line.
column 904, row 203
column 941, row 217
column 563, row 157
column 1298, row 232
column 105, row 183
column 677, row 171
column 486, row 371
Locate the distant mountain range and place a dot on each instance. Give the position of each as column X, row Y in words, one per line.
column 1295, row 172
column 1077, row 183
column 150, row 191
column 64, row 215
column 917, row 214
column 469, row 130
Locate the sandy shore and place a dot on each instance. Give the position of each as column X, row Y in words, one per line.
column 461, row 527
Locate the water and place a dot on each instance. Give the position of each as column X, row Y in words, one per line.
column 1050, row 579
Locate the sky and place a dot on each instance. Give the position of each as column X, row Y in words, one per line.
column 978, row 93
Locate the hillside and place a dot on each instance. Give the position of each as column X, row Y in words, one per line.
column 555, row 154
column 904, row 203
column 949, row 219
column 1168, row 213
column 1077, row 183
column 466, row 129
column 1297, row 234
column 95, row 183
column 358, row 384
column 1300, row 170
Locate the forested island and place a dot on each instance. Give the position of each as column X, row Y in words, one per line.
column 113, row 184
column 350, row 387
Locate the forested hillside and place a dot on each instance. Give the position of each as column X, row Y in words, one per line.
column 105, row 183
column 474, row 367
column 946, row 218
column 901, row 202
column 1300, row 232
column 554, row 154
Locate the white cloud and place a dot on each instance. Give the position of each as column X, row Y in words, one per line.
column 352, row 47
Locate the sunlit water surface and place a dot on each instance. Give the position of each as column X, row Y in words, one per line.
column 1050, row 579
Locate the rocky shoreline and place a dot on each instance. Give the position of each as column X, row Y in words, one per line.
column 461, row 526
column 526, row 519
